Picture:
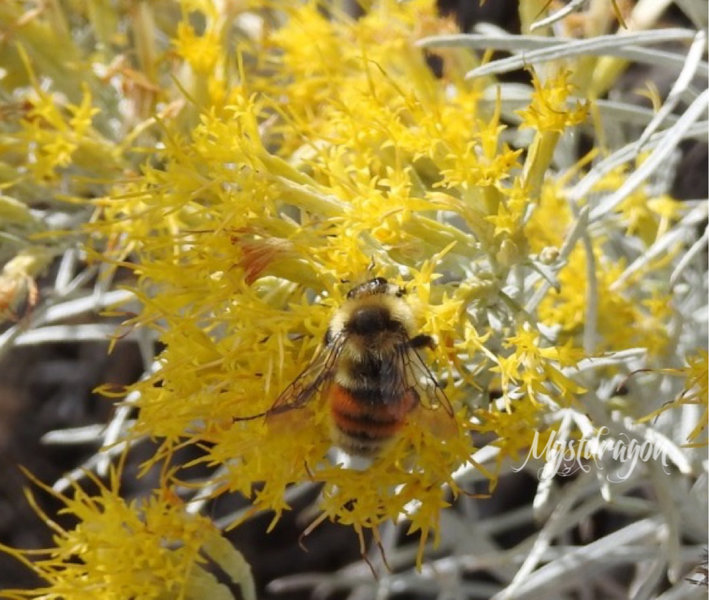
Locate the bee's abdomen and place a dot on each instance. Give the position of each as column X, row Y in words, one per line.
column 365, row 420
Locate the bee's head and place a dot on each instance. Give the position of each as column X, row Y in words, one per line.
column 378, row 285
column 373, row 311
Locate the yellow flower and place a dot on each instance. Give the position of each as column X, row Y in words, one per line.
column 55, row 130
column 549, row 110
column 532, row 366
column 549, row 115
column 550, row 221
column 118, row 549
column 319, row 171
column 200, row 51
column 299, row 153
column 623, row 322
column 696, row 392
column 646, row 217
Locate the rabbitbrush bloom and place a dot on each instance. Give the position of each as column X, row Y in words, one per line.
column 308, row 173
column 287, row 154
column 120, row 549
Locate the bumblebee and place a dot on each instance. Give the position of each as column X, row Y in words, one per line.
column 369, row 369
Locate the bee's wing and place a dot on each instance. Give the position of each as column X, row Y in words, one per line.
column 417, row 375
column 311, row 380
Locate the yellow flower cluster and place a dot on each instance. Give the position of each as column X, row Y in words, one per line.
column 309, row 172
column 301, row 154
column 151, row 549
column 695, row 392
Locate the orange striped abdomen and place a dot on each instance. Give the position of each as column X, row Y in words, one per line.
column 364, row 421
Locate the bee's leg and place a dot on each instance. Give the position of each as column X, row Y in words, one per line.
column 422, row 340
